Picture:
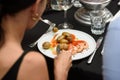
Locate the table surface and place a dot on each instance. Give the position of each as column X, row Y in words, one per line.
column 80, row 69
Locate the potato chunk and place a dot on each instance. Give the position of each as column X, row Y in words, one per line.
column 55, row 29
column 46, row 45
column 63, row 46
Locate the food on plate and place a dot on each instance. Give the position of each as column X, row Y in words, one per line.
column 55, row 29
column 78, row 46
column 46, row 45
column 69, row 38
column 64, row 46
column 64, row 41
column 67, row 41
column 65, row 38
column 66, row 34
column 60, row 38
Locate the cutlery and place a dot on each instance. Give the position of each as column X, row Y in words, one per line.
column 49, row 29
column 58, row 49
column 34, row 43
column 97, row 46
column 49, row 23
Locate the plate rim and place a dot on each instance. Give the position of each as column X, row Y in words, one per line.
column 52, row 57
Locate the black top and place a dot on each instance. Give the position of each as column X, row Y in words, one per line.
column 13, row 72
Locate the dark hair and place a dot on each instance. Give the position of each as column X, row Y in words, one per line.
column 11, row 7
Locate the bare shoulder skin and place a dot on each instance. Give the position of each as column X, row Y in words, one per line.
column 33, row 67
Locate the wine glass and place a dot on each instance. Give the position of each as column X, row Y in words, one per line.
column 65, row 5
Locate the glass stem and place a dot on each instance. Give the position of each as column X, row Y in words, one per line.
column 65, row 15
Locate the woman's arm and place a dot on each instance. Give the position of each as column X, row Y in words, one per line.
column 62, row 64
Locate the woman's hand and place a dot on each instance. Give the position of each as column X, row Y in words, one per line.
column 62, row 64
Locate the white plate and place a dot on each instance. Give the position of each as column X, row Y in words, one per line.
column 79, row 34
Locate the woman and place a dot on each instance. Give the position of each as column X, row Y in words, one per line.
column 16, row 16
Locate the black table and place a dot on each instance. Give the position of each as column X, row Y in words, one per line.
column 80, row 69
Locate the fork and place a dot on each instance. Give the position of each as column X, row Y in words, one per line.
column 49, row 29
column 58, row 49
column 47, row 21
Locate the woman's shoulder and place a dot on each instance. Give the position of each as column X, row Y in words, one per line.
column 34, row 57
column 34, row 65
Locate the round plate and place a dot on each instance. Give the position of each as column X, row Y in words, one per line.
column 79, row 34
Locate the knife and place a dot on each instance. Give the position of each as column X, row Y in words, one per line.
column 98, row 43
